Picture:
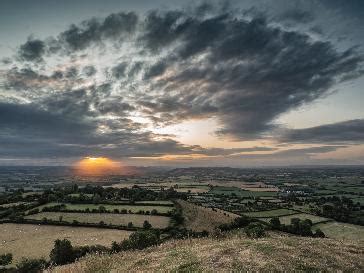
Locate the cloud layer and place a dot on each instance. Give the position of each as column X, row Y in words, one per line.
column 103, row 85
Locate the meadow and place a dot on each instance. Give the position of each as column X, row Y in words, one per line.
column 36, row 241
column 240, row 193
column 132, row 208
column 286, row 220
column 270, row 213
column 107, row 218
column 342, row 231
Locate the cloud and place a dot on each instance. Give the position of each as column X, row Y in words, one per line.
column 79, row 37
column 296, row 16
column 32, row 50
column 244, row 72
column 240, row 68
column 351, row 131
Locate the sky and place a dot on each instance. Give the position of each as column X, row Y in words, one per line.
column 179, row 83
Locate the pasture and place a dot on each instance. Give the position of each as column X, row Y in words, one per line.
column 132, row 208
column 107, row 218
column 342, row 231
column 270, row 213
column 234, row 191
column 36, row 241
column 315, row 219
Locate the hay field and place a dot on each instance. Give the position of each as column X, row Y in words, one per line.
column 36, row 241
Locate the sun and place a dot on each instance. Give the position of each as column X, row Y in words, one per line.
column 96, row 166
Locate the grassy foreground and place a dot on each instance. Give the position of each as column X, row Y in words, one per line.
column 234, row 252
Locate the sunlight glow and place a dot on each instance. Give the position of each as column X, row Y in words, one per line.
column 97, row 166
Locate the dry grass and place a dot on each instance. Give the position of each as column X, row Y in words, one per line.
column 108, row 218
column 231, row 254
column 36, row 241
column 200, row 218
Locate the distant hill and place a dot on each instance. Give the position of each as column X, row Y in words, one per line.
column 233, row 252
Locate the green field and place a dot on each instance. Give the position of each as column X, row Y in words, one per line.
column 132, row 208
column 107, row 218
column 343, row 231
column 270, row 213
column 88, row 195
column 162, row 202
column 315, row 219
column 241, row 193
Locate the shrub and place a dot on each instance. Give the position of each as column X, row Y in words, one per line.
column 62, row 252
column 319, row 233
column 275, row 223
column 31, row 265
column 255, row 230
column 147, row 225
column 6, row 259
column 239, row 222
column 115, row 247
column 143, row 239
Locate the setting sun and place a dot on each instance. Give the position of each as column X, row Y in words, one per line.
column 96, row 166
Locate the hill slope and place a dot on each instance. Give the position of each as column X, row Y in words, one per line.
column 234, row 252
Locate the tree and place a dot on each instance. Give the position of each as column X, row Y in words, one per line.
column 147, row 225
column 62, row 252
column 142, row 239
column 130, row 225
column 255, row 230
column 115, row 247
column 102, row 209
column 6, row 259
column 275, row 223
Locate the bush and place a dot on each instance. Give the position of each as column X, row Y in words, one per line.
column 62, row 252
column 319, row 233
column 31, row 265
column 239, row 222
column 115, row 247
column 140, row 240
column 255, row 230
column 275, row 223
column 147, row 225
column 6, row 259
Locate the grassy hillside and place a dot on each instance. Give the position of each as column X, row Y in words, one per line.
column 200, row 218
column 235, row 252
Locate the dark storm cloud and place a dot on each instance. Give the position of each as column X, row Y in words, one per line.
column 351, row 131
column 32, row 50
column 79, row 37
column 247, row 74
column 94, row 31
